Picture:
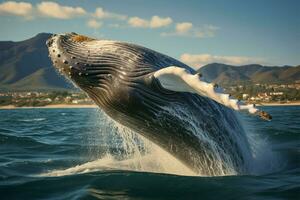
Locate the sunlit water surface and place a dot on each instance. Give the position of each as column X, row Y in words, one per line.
column 80, row 154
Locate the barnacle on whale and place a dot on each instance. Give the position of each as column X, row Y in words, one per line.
column 81, row 38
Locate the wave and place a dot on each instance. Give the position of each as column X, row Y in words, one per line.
column 135, row 153
column 48, row 171
column 144, row 185
column 265, row 160
column 158, row 161
column 130, row 152
column 19, row 141
column 32, row 120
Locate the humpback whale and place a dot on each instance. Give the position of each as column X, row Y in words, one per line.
column 160, row 98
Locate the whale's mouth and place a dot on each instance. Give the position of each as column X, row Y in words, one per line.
column 70, row 59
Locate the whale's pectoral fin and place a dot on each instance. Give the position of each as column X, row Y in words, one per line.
column 181, row 80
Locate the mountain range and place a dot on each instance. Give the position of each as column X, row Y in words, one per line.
column 250, row 74
column 25, row 66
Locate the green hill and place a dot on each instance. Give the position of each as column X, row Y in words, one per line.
column 25, row 65
column 232, row 75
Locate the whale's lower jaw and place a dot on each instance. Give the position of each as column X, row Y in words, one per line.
column 202, row 134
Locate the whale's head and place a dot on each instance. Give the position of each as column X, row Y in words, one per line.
column 108, row 71
column 70, row 54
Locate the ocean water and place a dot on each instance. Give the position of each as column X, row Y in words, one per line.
column 80, row 154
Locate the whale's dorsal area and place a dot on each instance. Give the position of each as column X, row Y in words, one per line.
column 181, row 80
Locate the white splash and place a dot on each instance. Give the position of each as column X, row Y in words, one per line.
column 156, row 162
column 144, row 156
column 32, row 120
column 265, row 160
column 139, row 154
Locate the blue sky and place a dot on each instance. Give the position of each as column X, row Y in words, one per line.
column 196, row 31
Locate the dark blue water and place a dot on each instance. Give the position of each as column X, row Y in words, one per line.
column 36, row 143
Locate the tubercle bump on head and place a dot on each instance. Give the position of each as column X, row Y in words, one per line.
column 81, row 38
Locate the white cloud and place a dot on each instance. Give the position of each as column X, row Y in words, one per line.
column 55, row 10
column 138, row 22
column 198, row 60
column 16, row 8
column 154, row 22
column 92, row 23
column 187, row 29
column 157, row 22
column 114, row 25
column 183, row 28
column 206, row 31
column 102, row 14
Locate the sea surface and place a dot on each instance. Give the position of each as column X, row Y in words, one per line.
column 80, row 154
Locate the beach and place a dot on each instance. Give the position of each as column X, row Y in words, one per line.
column 52, row 106
column 296, row 103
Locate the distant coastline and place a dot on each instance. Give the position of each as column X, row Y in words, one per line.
column 296, row 103
column 51, row 106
